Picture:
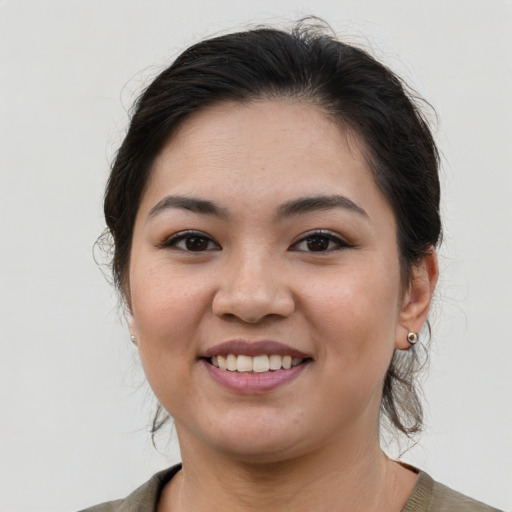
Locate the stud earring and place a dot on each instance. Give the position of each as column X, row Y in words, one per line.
column 412, row 338
column 133, row 338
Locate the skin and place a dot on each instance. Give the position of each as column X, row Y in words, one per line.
column 313, row 442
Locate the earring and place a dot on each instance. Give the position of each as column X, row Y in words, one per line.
column 133, row 338
column 412, row 338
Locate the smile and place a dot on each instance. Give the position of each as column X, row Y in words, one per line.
column 257, row 364
column 254, row 367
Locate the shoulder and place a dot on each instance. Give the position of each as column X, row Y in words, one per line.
column 109, row 506
column 143, row 499
column 431, row 496
column 444, row 498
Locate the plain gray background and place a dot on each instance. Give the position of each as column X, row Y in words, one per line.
column 74, row 409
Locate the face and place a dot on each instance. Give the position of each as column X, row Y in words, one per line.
column 262, row 242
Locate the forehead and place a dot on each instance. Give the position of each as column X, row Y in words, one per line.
column 263, row 151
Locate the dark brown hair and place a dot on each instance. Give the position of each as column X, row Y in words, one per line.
column 308, row 65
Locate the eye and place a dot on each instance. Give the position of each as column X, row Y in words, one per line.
column 191, row 241
column 320, row 241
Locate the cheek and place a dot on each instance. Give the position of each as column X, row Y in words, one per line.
column 167, row 309
column 353, row 327
column 355, row 314
column 164, row 300
column 166, row 312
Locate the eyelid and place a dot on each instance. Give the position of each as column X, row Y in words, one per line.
column 331, row 235
column 172, row 241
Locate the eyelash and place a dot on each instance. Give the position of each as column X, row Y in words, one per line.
column 183, row 236
column 324, row 234
column 321, row 235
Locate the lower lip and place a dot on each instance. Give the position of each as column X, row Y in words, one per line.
column 253, row 383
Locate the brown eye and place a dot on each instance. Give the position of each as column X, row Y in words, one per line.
column 196, row 243
column 191, row 242
column 320, row 241
column 317, row 243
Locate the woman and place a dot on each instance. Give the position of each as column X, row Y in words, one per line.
column 274, row 210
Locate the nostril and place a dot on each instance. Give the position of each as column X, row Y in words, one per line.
column 252, row 308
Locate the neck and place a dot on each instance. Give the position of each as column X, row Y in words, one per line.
column 360, row 477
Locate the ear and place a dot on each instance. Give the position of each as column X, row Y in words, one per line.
column 417, row 299
column 131, row 326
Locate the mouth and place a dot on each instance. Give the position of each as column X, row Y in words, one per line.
column 254, row 356
column 255, row 364
column 254, row 367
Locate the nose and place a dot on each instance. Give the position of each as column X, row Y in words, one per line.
column 253, row 289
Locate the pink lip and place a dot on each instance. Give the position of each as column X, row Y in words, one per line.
column 251, row 382
column 254, row 348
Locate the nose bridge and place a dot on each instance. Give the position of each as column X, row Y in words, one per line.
column 252, row 286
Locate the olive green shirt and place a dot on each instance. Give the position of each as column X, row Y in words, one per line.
column 427, row 496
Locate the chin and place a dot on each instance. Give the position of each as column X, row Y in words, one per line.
column 252, row 438
column 259, row 452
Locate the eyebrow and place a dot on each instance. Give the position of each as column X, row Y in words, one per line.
column 191, row 204
column 299, row 206
column 318, row 203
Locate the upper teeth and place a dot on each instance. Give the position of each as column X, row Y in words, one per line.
column 257, row 364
